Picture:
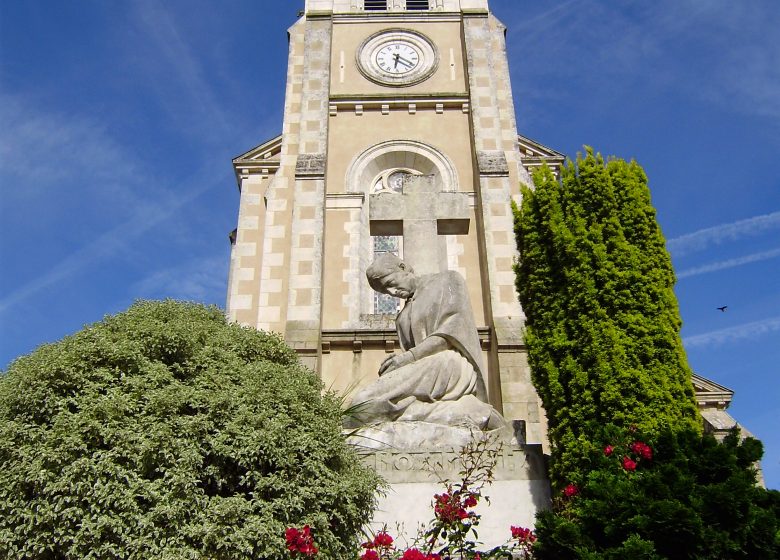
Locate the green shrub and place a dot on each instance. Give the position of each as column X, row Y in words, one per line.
column 165, row 432
column 695, row 499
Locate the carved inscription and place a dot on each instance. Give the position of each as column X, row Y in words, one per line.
column 492, row 163
column 310, row 165
column 419, row 466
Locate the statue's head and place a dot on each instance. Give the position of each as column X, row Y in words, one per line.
column 390, row 275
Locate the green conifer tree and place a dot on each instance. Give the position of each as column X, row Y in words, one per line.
column 603, row 328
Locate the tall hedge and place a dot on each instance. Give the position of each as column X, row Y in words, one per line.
column 166, row 432
column 596, row 283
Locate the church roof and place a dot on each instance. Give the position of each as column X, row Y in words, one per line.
column 532, row 148
column 263, row 157
column 534, row 155
column 267, row 150
column 710, row 394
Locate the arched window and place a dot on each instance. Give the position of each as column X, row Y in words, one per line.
column 382, row 167
column 390, row 180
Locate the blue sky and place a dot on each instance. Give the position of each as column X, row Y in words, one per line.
column 118, row 122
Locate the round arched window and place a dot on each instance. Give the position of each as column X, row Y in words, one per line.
column 392, row 180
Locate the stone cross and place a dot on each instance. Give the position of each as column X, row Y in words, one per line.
column 423, row 215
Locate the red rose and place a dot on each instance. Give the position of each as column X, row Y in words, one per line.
column 370, row 555
column 643, row 450
column 413, row 554
column 471, row 501
column 629, row 464
column 300, row 541
column 571, row 490
column 291, row 534
column 608, row 450
column 383, row 539
column 522, row 534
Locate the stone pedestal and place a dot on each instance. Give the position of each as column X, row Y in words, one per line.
column 414, row 469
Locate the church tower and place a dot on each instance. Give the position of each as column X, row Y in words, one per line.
column 383, row 93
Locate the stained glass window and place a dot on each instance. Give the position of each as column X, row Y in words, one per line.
column 383, row 303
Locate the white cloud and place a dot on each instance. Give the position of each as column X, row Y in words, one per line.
column 651, row 48
column 145, row 216
column 196, row 280
column 705, row 238
column 730, row 263
column 44, row 147
column 187, row 94
column 541, row 21
column 724, row 336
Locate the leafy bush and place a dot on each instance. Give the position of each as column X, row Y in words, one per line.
column 683, row 497
column 165, row 432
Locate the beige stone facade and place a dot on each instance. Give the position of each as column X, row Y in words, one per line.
column 304, row 236
column 305, row 233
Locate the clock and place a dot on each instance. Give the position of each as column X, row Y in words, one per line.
column 397, row 57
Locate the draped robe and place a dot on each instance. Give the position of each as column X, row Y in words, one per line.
column 420, row 390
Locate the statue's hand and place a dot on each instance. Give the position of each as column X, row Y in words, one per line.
column 395, row 361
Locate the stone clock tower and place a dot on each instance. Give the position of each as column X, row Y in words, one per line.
column 379, row 91
column 383, row 96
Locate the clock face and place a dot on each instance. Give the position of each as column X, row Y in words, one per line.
column 397, row 57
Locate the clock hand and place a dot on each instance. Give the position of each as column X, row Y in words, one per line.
column 396, row 56
column 405, row 62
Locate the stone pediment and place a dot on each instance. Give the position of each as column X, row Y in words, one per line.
column 533, row 155
column 713, row 399
column 710, row 394
column 264, row 158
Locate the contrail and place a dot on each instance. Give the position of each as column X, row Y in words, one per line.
column 731, row 263
column 142, row 221
column 703, row 238
column 723, row 336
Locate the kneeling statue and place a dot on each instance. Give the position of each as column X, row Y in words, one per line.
column 439, row 376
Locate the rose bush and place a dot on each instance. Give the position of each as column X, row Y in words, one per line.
column 452, row 533
column 687, row 496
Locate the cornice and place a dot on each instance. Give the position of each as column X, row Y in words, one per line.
column 358, row 340
column 397, row 17
column 407, row 102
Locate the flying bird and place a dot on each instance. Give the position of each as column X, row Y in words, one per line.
column 722, row 309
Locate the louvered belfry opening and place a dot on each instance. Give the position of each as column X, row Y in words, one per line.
column 375, row 5
column 417, row 5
